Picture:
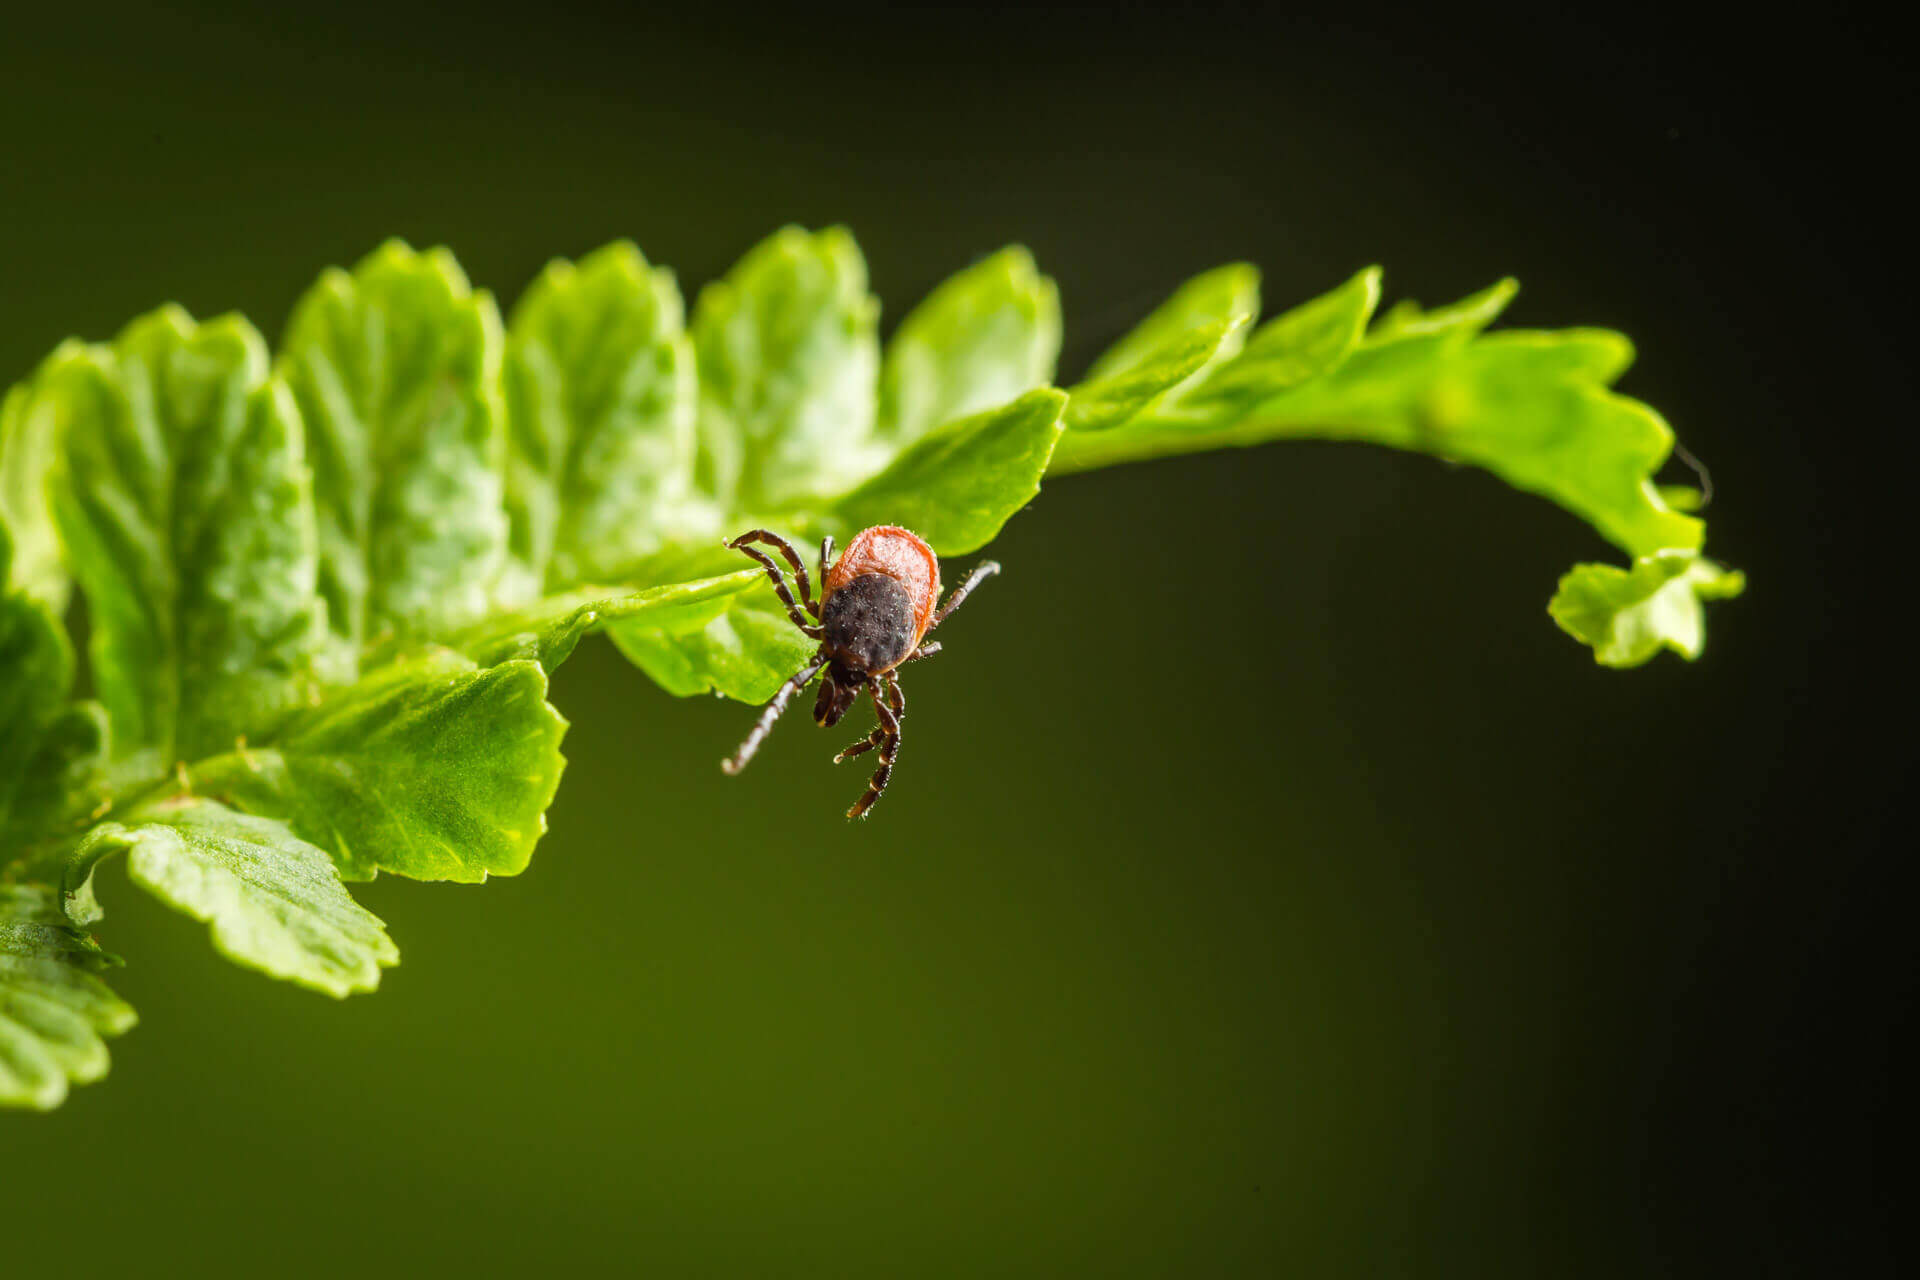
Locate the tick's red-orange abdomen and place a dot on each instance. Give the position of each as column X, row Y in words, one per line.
column 898, row 554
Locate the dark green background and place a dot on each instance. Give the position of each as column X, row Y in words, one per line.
column 1267, row 885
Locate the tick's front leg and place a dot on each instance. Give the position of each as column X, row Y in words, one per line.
column 890, row 718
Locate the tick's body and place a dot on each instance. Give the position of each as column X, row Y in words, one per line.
column 876, row 600
column 876, row 606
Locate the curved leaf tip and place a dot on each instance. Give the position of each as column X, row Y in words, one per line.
column 1626, row 616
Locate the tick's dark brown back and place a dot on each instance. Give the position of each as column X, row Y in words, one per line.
column 870, row 625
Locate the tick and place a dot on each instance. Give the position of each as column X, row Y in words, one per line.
column 876, row 606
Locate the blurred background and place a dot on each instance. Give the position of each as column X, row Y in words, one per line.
column 1267, row 886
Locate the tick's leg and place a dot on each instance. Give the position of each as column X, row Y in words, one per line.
column 826, row 558
column 779, row 582
column 889, row 730
column 738, row 760
column 897, row 697
column 863, row 746
column 899, row 701
column 787, row 552
column 981, row 572
column 926, row 650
